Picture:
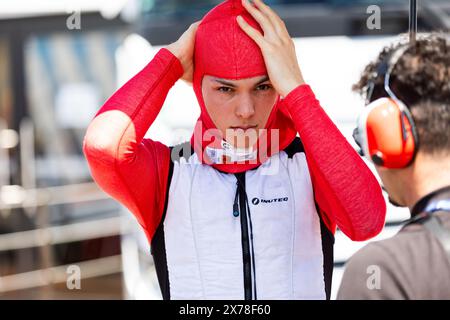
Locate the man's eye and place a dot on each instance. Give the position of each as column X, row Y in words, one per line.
column 263, row 87
column 225, row 89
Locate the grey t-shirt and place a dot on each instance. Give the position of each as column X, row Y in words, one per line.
column 411, row 265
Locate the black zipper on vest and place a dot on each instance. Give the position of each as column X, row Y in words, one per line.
column 247, row 237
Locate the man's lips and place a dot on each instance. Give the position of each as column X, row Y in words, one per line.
column 244, row 127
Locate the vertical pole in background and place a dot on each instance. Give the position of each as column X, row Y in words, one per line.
column 5, row 167
column 412, row 21
column 27, row 159
column 18, row 88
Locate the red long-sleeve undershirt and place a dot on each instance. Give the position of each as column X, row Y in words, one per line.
column 134, row 170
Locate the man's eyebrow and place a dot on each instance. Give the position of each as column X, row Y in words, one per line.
column 223, row 81
column 263, row 80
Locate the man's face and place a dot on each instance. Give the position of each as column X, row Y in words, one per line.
column 239, row 108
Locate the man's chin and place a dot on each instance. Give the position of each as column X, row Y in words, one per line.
column 395, row 203
column 392, row 201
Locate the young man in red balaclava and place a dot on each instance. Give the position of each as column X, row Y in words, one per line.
column 245, row 209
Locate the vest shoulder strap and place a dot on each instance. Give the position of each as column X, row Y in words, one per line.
column 294, row 147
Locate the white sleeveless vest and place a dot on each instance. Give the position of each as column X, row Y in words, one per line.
column 203, row 240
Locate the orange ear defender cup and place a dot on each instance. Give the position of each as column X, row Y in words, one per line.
column 386, row 132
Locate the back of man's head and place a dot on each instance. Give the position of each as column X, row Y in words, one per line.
column 421, row 79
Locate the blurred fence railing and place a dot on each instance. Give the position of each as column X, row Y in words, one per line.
column 45, row 237
column 36, row 204
column 52, row 235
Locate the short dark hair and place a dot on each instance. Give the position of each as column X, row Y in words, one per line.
column 421, row 79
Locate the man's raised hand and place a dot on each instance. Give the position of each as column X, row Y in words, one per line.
column 276, row 46
column 183, row 49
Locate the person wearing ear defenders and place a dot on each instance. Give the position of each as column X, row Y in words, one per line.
column 228, row 218
column 405, row 131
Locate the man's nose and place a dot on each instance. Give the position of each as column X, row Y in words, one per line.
column 245, row 107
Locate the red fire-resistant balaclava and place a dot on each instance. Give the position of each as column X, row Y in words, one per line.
column 224, row 50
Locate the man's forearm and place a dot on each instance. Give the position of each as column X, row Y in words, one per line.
column 344, row 186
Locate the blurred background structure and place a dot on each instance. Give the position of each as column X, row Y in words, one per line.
column 61, row 59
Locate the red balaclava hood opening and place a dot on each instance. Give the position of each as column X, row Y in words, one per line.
column 222, row 49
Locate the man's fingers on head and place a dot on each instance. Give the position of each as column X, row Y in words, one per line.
column 259, row 16
column 195, row 24
column 276, row 21
column 193, row 27
column 250, row 31
column 267, row 11
column 269, row 16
